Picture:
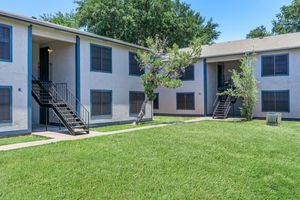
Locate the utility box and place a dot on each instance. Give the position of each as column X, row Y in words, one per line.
column 273, row 119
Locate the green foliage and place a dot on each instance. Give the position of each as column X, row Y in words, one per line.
column 164, row 66
column 288, row 20
column 136, row 20
column 258, row 32
column 67, row 19
column 245, row 86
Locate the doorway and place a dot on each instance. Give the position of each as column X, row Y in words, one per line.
column 44, row 75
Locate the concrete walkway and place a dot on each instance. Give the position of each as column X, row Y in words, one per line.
column 64, row 136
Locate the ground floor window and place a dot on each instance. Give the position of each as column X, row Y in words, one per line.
column 101, row 102
column 5, row 104
column 156, row 101
column 185, row 101
column 136, row 100
column 275, row 101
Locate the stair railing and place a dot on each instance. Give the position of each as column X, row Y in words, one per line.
column 227, row 106
column 73, row 102
column 62, row 94
column 216, row 104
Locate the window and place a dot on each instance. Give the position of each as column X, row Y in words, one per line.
column 188, row 75
column 5, row 43
column 185, row 101
column 275, row 101
column 156, row 101
column 136, row 100
column 275, row 65
column 5, row 104
column 101, row 58
column 134, row 68
column 101, row 102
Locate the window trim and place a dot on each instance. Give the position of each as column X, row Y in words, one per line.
column 157, row 97
column 130, row 113
column 11, row 104
column 11, row 42
column 101, row 46
column 289, row 106
column 274, row 55
column 177, row 93
column 131, row 74
column 191, row 79
column 91, row 105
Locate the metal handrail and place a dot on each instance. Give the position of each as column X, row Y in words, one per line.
column 66, row 96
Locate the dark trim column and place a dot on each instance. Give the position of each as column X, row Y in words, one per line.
column 205, row 85
column 29, row 60
column 77, row 71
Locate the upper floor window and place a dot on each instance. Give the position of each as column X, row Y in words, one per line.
column 5, row 43
column 101, row 58
column 275, row 65
column 275, row 101
column 134, row 67
column 188, row 75
column 5, row 104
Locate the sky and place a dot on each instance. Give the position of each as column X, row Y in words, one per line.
column 235, row 17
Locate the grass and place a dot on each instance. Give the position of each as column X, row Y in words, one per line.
column 156, row 120
column 204, row 160
column 20, row 139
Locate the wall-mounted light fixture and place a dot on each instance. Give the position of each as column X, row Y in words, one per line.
column 50, row 50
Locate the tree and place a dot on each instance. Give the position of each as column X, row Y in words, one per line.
column 258, row 32
column 67, row 19
column 288, row 20
column 245, row 86
column 164, row 66
column 136, row 20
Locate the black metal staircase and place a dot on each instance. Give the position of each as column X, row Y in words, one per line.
column 64, row 104
column 222, row 106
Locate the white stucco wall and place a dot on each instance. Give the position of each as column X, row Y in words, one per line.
column 15, row 74
column 290, row 82
column 167, row 97
column 118, row 81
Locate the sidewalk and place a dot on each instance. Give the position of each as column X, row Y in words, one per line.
column 64, row 136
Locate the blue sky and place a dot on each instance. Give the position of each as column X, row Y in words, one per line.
column 236, row 17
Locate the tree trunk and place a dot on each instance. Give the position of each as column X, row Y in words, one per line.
column 142, row 112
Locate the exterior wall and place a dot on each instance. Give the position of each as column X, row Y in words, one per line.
column 119, row 81
column 290, row 82
column 167, row 97
column 15, row 74
column 212, row 85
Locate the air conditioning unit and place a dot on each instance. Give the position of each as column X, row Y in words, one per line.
column 273, row 119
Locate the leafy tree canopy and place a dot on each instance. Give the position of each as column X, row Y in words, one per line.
column 258, row 32
column 136, row 20
column 288, row 20
column 67, row 19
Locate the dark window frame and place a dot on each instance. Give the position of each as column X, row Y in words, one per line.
column 275, row 102
column 184, row 78
column 111, row 106
column 92, row 69
column 274, row 63
column 132, row 72
column 185, row 107
column 10, row 104
column 156, row 99
column 10, row 43
column 136, row 92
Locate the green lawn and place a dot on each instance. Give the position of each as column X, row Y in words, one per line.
column 20, row 139
column 156, row 120
column 204, row 160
